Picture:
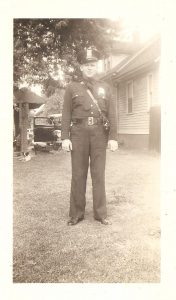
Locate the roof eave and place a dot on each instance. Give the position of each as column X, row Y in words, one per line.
column 141, row 69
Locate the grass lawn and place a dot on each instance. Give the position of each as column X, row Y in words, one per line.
column 46, row 250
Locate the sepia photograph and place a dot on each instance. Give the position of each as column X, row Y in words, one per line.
column 86, row 201
column 87, row 150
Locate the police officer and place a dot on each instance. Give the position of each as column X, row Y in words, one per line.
column 85, row 135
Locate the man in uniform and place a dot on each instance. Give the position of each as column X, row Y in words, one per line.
column 87, row 104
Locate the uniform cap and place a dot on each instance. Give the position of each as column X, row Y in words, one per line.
column 87, row 55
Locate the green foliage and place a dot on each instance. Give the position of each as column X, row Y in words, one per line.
column 40, row 45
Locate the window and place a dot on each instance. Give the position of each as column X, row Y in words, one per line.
column 150, row 90
column 130, row 97
column 42, row 121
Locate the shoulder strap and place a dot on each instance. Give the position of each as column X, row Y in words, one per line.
column 94, row 101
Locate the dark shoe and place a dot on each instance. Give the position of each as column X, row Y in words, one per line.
column 104, row 221
column 74, row 221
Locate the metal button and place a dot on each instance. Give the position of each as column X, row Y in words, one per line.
column 91, row 112
column 91, row 105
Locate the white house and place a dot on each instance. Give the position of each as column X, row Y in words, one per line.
column 135, row 84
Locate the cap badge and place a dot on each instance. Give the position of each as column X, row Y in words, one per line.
column 89, row 53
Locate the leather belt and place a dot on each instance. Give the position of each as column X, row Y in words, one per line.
column 88, row 121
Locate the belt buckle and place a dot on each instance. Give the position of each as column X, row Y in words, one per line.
column 90, row 121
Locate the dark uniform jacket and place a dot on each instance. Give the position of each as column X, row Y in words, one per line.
column 78, row 104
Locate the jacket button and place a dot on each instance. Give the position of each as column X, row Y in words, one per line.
column 91, row 112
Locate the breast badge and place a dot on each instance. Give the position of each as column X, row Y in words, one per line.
column 101, row 92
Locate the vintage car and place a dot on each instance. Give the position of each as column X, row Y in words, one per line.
column 47, row 132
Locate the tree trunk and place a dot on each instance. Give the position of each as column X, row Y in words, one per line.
column 24, row 110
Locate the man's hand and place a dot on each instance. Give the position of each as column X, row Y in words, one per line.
column 67, row 145
column 112, row 145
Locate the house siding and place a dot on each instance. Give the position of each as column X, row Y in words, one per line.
column 138, row 121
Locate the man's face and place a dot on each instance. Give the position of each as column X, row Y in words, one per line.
column 89, row 70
